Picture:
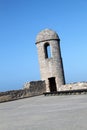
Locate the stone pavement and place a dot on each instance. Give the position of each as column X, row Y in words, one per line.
column 45, row 113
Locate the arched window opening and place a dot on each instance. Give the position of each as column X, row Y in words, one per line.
column 47, row 51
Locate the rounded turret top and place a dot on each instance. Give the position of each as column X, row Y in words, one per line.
column 47, row 34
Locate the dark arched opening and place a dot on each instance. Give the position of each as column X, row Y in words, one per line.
column 47, row 50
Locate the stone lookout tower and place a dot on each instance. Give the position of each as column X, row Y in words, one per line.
column 50, row 60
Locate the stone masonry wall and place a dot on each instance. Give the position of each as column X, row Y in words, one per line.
column 35, row 88
column 51, row 67
column 73, row 86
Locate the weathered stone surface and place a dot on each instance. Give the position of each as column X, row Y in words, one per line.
column 46, row 34
column 33, row 84
column 35, row 88
column 73, row 86
column 26, row 85
column 50, row 67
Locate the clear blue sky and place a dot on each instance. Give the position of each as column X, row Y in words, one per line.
column 20, row 22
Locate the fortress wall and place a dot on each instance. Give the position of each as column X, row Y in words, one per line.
column 33, row 88
column 36, row 88
column 73, row 86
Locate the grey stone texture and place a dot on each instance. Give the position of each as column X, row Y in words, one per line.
column 47, row 34
column 45, row 113
column 73, row 86
column 34, row 84
column 53, row 66
column 35, row 88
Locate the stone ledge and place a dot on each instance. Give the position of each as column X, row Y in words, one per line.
column 67, row 92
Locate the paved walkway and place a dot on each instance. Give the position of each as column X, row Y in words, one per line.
column 45, row 113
